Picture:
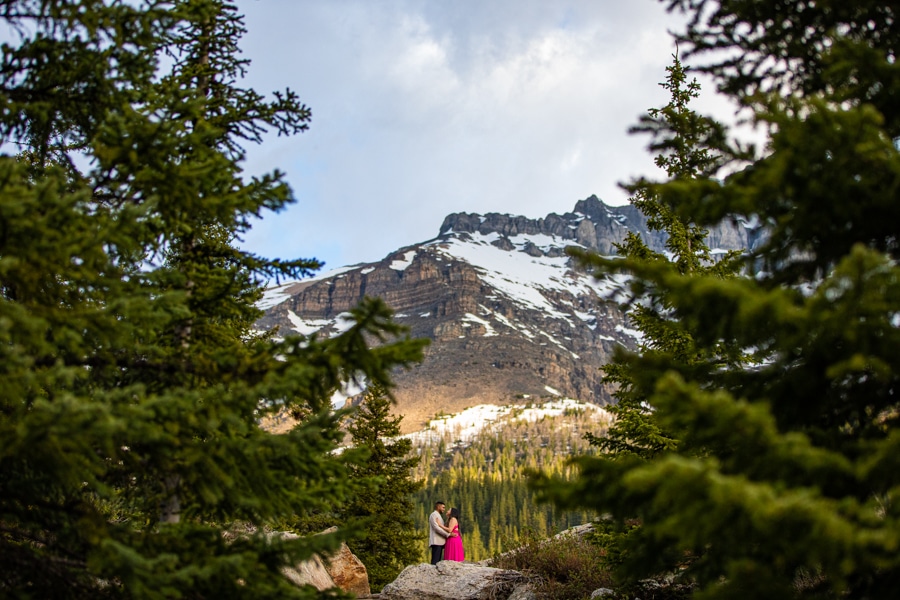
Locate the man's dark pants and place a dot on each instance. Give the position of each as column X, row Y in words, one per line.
column 437, row 553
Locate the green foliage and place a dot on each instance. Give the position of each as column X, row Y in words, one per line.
column 612, row 537
column 784, row 478
column 564, row 567
column 683, row 139
column 132, row 380
column 391, row 539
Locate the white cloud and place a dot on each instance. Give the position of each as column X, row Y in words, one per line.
column 421, row 109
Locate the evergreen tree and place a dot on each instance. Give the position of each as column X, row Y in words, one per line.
column 474, row 544
column 392, row 540
column 683, row 139
column 782, row 484
column 133, row 383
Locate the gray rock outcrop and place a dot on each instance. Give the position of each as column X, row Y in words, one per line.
column 449, row 580
column 595, row 225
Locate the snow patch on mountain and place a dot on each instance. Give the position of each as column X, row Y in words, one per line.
column 634, row 333
column 275, row 295
column 470, row 318
column 402, row 263
column 306, row 326
column 524, row 278
column 466, row 425
column 337, row 325
column 348, row 390
column 559, row 344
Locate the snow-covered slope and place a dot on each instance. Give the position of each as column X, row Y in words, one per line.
column 544, row 283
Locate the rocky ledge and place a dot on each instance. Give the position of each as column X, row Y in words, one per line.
column 459, row 581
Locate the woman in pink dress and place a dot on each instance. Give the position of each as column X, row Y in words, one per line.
column 453, row 549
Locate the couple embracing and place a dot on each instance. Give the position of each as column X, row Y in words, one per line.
column 444, row 539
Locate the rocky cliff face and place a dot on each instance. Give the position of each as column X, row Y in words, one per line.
column 509, row 316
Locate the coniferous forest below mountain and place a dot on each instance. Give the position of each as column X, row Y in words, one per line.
column 486, row 478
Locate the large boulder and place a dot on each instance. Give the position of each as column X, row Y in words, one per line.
column 450, row 580
column 341, row 569
column 348, row 572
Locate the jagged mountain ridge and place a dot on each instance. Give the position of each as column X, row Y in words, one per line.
column 509, row 316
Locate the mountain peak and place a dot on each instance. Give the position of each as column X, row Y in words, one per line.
column 509, row 315
column 593, row 207
column 593, row 224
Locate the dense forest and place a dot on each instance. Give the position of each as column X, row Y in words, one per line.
column 484, row 476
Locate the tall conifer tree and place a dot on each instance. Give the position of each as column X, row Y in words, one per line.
column 392, row 540
column 684, row 140
column 133, row 383
column 784, row 479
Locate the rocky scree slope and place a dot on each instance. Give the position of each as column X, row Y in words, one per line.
column 510, row 317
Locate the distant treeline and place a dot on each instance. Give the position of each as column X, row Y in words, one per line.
column 485, row 478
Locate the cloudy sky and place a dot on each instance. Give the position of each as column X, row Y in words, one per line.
column 422, row 108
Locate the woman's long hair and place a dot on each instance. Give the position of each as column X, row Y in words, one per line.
column 454, row 512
